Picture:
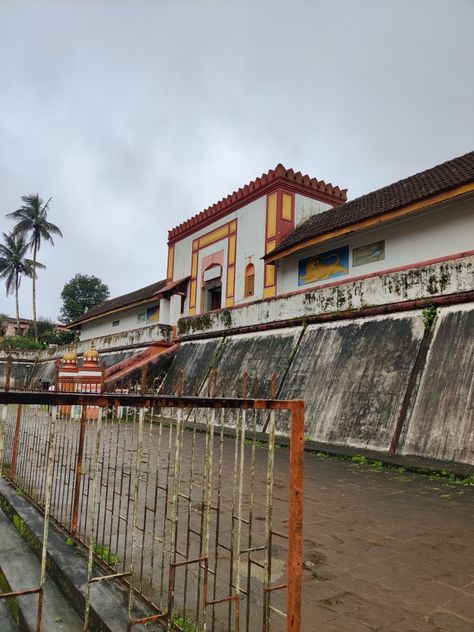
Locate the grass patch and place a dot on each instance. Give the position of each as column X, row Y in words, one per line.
column 185, row 624
column 105, row 554
column 360, row 459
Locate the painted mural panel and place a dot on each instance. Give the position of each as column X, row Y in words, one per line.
column 327, row 265
column 153, row 314
column 369, row 253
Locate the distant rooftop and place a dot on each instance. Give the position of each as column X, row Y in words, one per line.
column 137, row 296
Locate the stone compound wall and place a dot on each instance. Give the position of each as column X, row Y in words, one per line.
column 142, row 336
column 384, row 384
column 34, row 367
column 435, row 280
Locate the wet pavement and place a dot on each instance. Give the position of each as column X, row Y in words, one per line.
column 386, row 550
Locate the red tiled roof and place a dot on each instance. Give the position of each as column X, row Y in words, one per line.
column 258, row 187
column 449, row 175
column 172, row 285
column 137, row 296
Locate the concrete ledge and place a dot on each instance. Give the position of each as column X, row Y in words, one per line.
column 67, row 566
column 440, row 282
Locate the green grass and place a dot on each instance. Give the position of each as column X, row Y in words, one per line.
column 105, row 554
column 360, row 459
column 184, row 625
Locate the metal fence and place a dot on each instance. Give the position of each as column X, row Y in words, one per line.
column 186, row 499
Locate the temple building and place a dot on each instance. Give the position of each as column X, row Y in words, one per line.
column 286, row 239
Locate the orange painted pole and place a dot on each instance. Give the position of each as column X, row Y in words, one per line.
column 295, row 542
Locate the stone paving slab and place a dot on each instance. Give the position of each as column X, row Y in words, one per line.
column 386, row 550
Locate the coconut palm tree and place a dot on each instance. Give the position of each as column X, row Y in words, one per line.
column 32, row 223
column 14, row 264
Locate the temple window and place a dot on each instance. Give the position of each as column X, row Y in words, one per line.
column 249, row 280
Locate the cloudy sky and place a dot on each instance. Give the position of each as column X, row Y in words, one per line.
column 134, row 115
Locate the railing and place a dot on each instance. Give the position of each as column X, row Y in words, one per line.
column 186, row 499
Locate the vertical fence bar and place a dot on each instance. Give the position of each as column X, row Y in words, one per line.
column 295, row 542
column 3, row 422
column 141, row 417
column 269, row 521
column 47, row 508
column 16, row 440
column 78, row 471
column 8, row 372
column 91, row 543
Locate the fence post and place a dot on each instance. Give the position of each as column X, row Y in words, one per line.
column 295, row 529
column 143, row 380
column 57, row 366
column 8, row 372
column 16, row 440
column 102, row 378
column 78, row 471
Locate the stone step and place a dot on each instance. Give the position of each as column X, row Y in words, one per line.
column 21, row 569
column 67, row 566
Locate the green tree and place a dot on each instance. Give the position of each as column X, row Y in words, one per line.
column 14, row 265
column 81, row 293
column 49, row 334
column 32, row 223
column 4, row 318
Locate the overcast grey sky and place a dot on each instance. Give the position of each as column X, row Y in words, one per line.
column 135, row 115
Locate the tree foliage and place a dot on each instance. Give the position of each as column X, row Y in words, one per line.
column 17, row 343
column 48, row 334
column 81, row 293
column 33, row 225
column 14, row 265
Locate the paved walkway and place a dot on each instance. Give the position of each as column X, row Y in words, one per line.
column 386, row 550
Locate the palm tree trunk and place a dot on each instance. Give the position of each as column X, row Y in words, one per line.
column 17, row 305
column 35, row 325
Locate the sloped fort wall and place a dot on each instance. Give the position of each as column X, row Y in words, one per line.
column 392, row 383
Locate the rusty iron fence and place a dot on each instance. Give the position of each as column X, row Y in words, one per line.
column 187, row 500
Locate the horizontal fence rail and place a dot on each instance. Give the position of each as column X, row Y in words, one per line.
column 185, row 499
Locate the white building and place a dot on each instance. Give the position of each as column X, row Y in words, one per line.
column 264, row 247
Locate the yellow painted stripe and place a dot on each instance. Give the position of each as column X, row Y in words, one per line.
column 230, row 281
column 215, row 235
column 271, row 215
column 192, row 298
column 271, row 246
column 286, row 207
column 269, row 275
column 170, row 262
column 231, row 256
column 194, row 267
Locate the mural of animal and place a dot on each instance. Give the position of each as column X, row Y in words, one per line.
column 323, row 267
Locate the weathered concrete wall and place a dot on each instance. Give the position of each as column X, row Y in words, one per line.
column 438, row 279
column 261, row 356
column 442, row 423
column 353, row 376
column 361, row 379
column 194, row 359
column 136, row 337
column 20, row 372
